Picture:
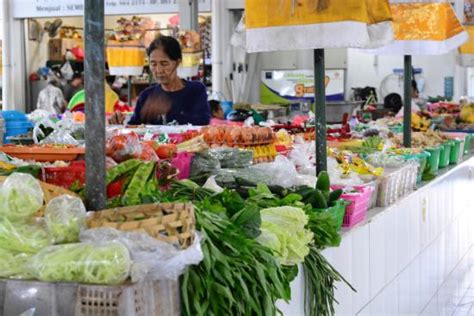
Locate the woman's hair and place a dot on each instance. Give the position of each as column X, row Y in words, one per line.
column 414, row 86
column 169, row 45
column 393, row 102
column 215, row 106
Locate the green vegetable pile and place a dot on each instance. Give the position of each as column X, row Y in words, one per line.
column 23, row 238
column 13, row 264
column 108, row 263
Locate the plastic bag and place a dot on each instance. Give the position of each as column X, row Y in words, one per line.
column 25, row 237
column 281, row 172
column 21, row 196
column 232, row 157
column 106, row 263
column 66, row 71
column 122, row 147
column 211, row 184
column 203, row 166
column 152, row 259
column 386, row 161
column 304, row 158
column 13, row 264
column 229, row 178
column 65, row 217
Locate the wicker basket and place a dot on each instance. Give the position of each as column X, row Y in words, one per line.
column 170, row 222
column 50, row 192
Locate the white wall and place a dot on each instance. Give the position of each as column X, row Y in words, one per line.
column 369, row 70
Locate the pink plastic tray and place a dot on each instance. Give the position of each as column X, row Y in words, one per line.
column 359, row 204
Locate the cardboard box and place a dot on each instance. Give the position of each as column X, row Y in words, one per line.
column 57, row 47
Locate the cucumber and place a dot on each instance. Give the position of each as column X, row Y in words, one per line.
column 323, row 182
column 318, row 200
column 334, row 196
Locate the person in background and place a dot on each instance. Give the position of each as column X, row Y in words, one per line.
column 172, row 99
column 394, row 102
column 51, row 98
column 218, row 117
column 73, row 86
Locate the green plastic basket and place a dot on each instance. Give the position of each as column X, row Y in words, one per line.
column 467, row 144
column 445, row 154
column 337, row 211
column 422, row 158
column 455, row 152
column 433, row 160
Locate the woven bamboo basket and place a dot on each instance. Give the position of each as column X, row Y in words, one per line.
column 171, row 222
column 50, row 192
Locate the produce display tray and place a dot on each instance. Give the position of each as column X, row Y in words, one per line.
column 44, row 154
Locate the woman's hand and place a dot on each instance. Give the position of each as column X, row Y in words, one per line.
column 118, row 118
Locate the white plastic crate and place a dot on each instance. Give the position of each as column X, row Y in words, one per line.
column 57, row 299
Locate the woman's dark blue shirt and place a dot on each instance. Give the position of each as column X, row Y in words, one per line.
column 188, row 105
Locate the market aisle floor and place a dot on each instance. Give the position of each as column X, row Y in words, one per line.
column 456, row 295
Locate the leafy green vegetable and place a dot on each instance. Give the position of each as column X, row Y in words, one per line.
column 27, row 238
column 237, row 277
column 20, row 197
column 13, row 264
column 283, row 231
column 324, row 228
column 65, row 216
column 249, row 220
column 108, row 263
column 321, row 279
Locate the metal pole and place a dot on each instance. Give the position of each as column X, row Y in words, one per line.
column 129, row 91
column 320, row 110
column 94, row 69
column 408, row 74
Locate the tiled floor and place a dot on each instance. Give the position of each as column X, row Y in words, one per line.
column 456, row 295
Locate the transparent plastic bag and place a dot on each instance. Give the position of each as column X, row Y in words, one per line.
column 122, row 147
column 21, row 196
column 281, row 172
column 60, row 137
column 386, row 161
column 65, row 217
column 105, row 263
column 28, row 237
column 13, row 264
column 211, row 184
column 304, row 158
column 232, row 157
column 152, row 259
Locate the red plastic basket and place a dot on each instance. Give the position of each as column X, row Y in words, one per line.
column 66, row 176
column 359, row 204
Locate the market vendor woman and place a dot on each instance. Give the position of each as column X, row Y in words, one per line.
column 172, row 99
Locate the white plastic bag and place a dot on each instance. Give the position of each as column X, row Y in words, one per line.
column 281, row 172
column 211, row 184
column 303, row 157
column 67, row 71
column 152, row 259
column 65, row 217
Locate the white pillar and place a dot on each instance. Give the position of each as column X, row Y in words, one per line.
column 217, row 26
column 13, row 59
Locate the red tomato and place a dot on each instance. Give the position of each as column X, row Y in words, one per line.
column 166, row 151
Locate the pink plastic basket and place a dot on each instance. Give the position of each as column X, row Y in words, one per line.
column 359, row 204
column 182, row 162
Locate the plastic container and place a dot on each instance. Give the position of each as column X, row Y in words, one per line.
column 227, row 107
column 445, row 153
column 14, row 116
column 455, row 154
column 433, row 160
column 358, row 204
column 66, row 176
column 43, row 153
column 467, row 144
column 140, row 299
column 422, row 159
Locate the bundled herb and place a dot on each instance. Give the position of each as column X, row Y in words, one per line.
column 321, row 279
column 237, row 277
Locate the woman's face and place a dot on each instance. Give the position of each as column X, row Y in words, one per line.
column 163, row 68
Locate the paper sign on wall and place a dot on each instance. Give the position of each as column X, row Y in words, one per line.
column 290, row 86
column 55, row 8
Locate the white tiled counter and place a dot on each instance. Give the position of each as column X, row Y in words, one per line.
column 399, row 257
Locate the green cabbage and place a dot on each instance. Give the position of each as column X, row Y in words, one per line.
column 21, row 196
column 107, row 263
column 13, row 264
column 27, row 237
column 283, row 231
column 65, row 216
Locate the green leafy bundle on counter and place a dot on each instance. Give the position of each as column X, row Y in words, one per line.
column 237, row 277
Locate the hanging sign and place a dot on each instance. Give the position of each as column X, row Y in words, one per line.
column 55, row 8
column 292, row 86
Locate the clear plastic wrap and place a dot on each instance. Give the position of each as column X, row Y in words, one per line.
column 122, row 147
column 21, row 196
column 152, row 259
column 281, row 172
column 60, row 137
column 65, row 217
column 304, row 158
column 106, row 263
column 228, row 178
column 27, row 237
column 13, row 264
column 232, row 157
column 203, row 166
column 379, row 159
